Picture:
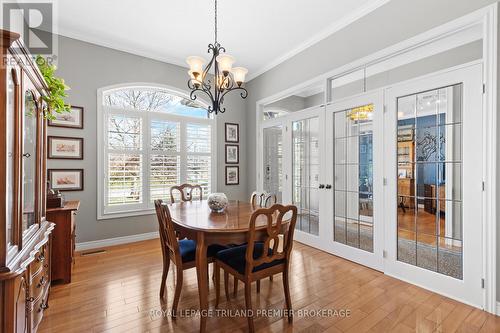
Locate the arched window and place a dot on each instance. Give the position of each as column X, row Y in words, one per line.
column 150, row 138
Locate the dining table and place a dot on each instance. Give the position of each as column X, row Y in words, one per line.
column 195, row 220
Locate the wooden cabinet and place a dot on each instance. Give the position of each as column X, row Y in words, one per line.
column 63, row 239
column 25, row 234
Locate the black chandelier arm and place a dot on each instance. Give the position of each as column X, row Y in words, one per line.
column 193, row 94
column 243, row 94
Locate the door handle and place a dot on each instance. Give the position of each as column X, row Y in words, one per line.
column 321, row 186
column 328, row 186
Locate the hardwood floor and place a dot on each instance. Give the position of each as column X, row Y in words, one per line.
column 117, row 291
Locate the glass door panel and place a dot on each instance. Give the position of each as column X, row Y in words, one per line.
column 273, row 161
column 429, row 145
column 29, row 158
column 353, row 161
column 305, row 173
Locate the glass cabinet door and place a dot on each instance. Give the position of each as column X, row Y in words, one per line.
column 29, row 158
column 12, row 86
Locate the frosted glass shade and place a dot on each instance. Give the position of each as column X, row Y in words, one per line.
column 225, row 62
column 239, row 74
column 195, row 64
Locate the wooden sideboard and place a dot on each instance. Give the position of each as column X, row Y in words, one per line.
column 25, row 234
column 63, row 239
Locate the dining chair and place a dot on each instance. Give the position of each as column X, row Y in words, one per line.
column 259, row 259
column 186, row 191
column 262, row 200
column 181, row 252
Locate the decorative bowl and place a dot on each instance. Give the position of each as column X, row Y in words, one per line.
column 217, row 202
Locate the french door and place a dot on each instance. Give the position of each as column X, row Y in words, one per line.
column 390, row 179
column 354, row 147
column 434, row 169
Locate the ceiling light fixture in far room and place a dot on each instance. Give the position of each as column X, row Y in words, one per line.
column 225, row 79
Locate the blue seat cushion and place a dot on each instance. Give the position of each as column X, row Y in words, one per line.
column 187, row 248
column 235, row 257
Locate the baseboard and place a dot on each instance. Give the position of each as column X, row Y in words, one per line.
column 115, row 241
column 498, row 308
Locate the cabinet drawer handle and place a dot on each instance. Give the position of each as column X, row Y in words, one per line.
column 27, row 155
column 43, row 306
column 30, row 299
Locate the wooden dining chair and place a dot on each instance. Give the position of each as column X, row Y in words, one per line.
column 259, row 259
column 186, row 191
column 181, row 252
column 263, row 199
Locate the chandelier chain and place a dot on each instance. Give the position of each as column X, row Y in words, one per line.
column 215, row 21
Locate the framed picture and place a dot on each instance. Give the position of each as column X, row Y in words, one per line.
column 232, row 132
column 232, row 154
column 66, row 179
column 62, row 147
column 72, row 119
column 232, row 175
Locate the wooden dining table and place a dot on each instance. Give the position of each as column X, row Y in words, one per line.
column 194, row 220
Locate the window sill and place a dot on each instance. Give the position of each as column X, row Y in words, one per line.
column 123, row 214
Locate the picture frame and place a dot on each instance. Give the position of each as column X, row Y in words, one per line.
column 72, row 119
column 66, row 179
column 232, row 132
column 232, row 154
column 64, row 147
column 232, row 175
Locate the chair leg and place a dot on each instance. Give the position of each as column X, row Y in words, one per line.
column 178, row 288
column 217, row 284
column 226, row 284
column 286, row 287
column 258, row 286
column 248, row 301
column 235, row 287
column 271, row 278
column 166, row 267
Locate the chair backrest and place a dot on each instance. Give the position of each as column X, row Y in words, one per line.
column 263, row 199
column 168, row 238
column 274, row 216
column 186, row 191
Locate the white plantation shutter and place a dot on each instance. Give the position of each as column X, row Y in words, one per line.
column 153, row 139
column 164, row 173
column 125, row 179
column 199, row 172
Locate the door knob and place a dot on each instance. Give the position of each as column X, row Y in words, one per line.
column 321, row 186
column 328, row 186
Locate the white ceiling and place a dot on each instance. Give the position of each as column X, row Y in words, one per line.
column 259, row 33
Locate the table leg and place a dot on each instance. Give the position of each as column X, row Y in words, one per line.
column 202, row 274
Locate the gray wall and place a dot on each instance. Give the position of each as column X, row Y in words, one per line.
column 87, row 67
column 392, row 23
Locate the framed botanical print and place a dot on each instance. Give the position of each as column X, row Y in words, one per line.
column 232, row 154
column 232, row 132
column 232, row 175
column 66, row 179
column 62, row 147
column 72, row 119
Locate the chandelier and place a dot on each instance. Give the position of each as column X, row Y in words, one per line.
column 225, row 79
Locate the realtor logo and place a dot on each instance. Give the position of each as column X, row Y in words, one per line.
column 34, row 21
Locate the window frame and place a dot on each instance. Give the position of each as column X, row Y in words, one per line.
column 146, row 207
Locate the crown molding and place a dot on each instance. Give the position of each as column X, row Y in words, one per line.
column 333, row 28
column 118, row 46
